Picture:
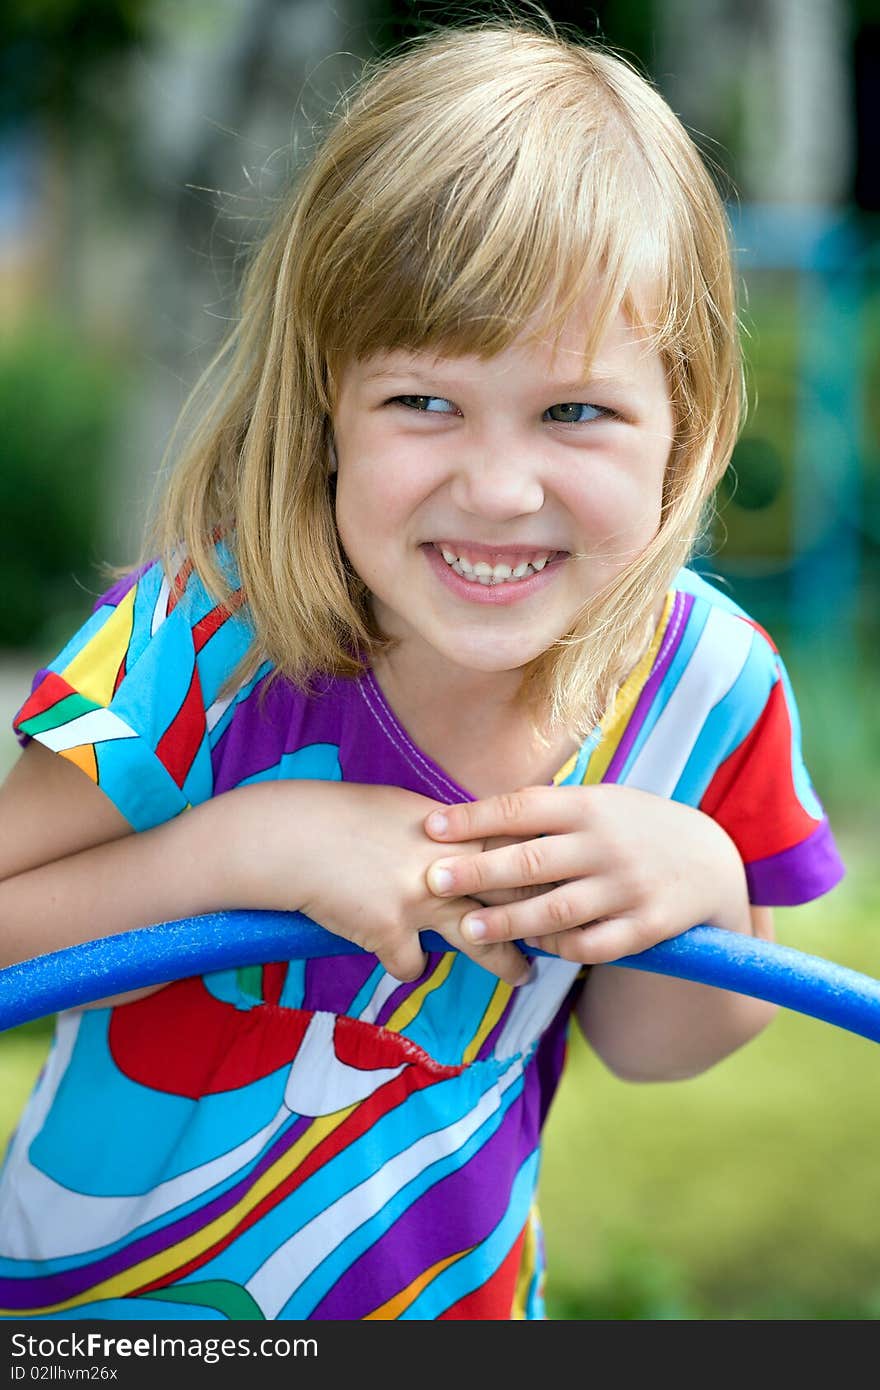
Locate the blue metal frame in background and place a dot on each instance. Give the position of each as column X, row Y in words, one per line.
column 217, row 941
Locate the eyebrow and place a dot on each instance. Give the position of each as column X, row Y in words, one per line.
column 598, row 378
column 384, row 373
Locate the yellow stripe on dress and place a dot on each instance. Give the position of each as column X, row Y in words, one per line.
column 615, row 720
column 527, row 1266
column 393, row 1308
column 494, row 1009
column 93, row 671
column 165, row 1262
column 411, row 1005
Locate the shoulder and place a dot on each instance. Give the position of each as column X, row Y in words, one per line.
column 154, row 606
column 709, row 599
column 176, row 586
column 718, row 628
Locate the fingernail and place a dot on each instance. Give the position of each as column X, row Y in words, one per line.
column 439, row 879
column 475, row 928
column 438, row 823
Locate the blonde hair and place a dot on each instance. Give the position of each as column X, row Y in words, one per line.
column 474, row 178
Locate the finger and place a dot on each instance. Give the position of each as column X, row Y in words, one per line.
column 501, row 958
column 405, row 961
column 606, row 941
column 574, row 904
column 599, row 943
column 528, row 811
column 500, row 896
column 549, row 859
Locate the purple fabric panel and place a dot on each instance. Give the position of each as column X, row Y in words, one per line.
column 390, row 742
column 675, row 630
column 545, row 1067
column 333, row 982
column 265, row 727
column 458, row 1211
column 117, row 592
column 796, row 875
column 257, row 738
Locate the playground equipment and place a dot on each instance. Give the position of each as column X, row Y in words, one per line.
column 195, row 946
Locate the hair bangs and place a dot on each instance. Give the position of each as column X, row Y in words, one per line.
column 462, row 252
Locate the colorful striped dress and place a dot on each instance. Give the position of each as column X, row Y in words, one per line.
column 317, row 1140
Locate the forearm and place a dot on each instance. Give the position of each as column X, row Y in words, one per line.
column 674, row 1028
column 178, row 869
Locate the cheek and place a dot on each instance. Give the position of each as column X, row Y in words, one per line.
column 623, row 511
column 369, row 485
column 373, row 508
column 383, row 477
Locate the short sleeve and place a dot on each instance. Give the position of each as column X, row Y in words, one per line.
column 129, row 699
column 759, row 790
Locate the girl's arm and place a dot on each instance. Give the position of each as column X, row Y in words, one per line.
column 351, row 856
column 655, row 1028
column 72, row 870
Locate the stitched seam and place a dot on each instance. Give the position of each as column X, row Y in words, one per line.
column 407, row 749
column 414, row 1052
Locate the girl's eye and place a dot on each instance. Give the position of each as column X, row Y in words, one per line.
column 437, row 405
column 574, row 412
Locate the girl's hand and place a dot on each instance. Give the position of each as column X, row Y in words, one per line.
column 620, row 870
column 353, row 857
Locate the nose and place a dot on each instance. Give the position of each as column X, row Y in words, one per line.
column 497, row 476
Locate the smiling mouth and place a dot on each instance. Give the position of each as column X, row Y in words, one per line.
column 504, row 574
column 473, row 553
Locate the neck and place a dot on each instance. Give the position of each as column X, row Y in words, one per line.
column 481, row 694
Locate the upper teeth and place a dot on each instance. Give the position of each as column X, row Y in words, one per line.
column 490, row 574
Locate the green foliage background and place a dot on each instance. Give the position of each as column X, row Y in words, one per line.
column 59, row 401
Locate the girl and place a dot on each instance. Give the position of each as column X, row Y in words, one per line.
column 424, row 550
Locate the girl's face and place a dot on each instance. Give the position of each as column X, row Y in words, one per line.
column 498, row 462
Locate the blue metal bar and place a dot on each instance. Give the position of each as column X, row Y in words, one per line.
column 217, row 941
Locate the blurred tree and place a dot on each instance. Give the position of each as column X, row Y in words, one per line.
column 628, row 25
column 163, row 134
column 57, row 405
column 771, row 80
column 50, row 50
column 867, row 105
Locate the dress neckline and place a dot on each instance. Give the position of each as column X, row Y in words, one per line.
column 446, row 788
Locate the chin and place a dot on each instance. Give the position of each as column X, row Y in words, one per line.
column 490, row 663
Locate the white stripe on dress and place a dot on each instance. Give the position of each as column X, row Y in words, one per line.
column 98, row 726
column 715, row 666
